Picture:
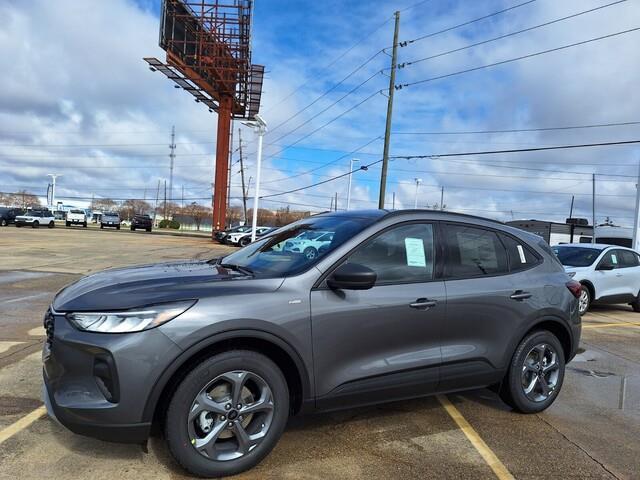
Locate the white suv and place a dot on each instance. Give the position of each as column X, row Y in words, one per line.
column 608, row 273
column 309, row 243
column 35, row 218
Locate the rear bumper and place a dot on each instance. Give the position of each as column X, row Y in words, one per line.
column 98, row 384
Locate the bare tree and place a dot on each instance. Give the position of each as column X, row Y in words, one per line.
column 130, row 208
column 103, row 204
column 197, row 212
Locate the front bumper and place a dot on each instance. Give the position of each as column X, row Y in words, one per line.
column 98, row 384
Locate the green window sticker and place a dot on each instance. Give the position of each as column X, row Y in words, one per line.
column 414, row 248
column 614, row 259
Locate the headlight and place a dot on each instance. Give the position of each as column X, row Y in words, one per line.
column 571, row 274
column 130, row 320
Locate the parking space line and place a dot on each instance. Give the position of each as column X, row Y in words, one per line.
column 21, row 424
column 483, row 449
column 607, row 325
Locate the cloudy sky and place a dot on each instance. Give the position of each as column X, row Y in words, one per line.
column 77, row 99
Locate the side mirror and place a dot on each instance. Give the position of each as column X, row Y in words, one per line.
column 351, row 276
column 606, row 266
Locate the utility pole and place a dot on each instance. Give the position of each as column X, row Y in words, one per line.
column 634, row 242
column 387, row 131
column 172, row 156
column 593, row 206
column 164, row 214
column 182, row 203
column 335, row 204
column 393, row 203
column 441, row 198
column 418, row 182
column 244, row 193
column 351, row 162
column 155, row 208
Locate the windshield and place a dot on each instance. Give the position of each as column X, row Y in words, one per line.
column 80, row 212
column 277, row 255
column 576, row 256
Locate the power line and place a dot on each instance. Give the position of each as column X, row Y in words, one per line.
column 432, row 156
column 507, row 35
column 353, row 72
column 519, row 130
column 330, row 64
column 522, row 57
column 460, row 25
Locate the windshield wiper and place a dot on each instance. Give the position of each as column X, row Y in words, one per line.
column 237, row 268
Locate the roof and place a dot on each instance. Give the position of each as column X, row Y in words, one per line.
column 595, row 246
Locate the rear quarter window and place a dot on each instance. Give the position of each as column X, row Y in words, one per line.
column 520, row 255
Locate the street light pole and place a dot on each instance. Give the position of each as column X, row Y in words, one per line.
column 53, row 188
column 418, row 182
column 634, row 242
column 351, row 162
column 260, row 127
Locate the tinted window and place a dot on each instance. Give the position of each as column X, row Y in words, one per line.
column 611, row 257
column 627, row 258
column 576, row 256
column 401, row 255
column 473, row 252
column 519, row 255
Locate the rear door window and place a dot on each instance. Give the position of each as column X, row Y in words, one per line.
column 627, row 258
column 473, row 252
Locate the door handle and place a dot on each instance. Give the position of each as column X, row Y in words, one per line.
column 618, row 275
column 423, row 304
column 520, row 295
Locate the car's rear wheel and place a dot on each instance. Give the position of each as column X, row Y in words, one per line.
column 51, row 224
column 149, row 229
column 584, row 300
column 535, row 374
column 101, row 227
column 636, row 304
column 84, row 225
column 227, row 414
column 310, row 252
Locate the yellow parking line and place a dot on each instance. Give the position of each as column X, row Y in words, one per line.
column 607, row 325
column 21, row 424
column 483, row 449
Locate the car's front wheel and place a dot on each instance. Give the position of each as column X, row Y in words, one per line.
column 535, row 374
column 3, row 223
column 310, row 252
column 584, row 300
column 227, row 414
column 35, row 224
column 245, row 241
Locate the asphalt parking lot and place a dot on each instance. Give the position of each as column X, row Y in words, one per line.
column 592, row 430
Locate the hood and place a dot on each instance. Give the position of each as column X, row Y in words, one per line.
column 132, row 287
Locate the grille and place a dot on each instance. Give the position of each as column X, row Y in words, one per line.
column 49, row 323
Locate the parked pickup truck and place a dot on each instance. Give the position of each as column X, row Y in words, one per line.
column 76, row 217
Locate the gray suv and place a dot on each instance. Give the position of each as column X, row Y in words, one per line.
column 219, row 353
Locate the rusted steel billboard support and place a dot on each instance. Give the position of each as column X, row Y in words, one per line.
column 222, row 163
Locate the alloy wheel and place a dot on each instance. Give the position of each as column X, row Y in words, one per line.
column 230, row 416
column 583, row 301
column 540, row 372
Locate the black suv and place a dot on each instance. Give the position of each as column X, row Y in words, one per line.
column 8, row 215
column 221, row 352
column 141, row 222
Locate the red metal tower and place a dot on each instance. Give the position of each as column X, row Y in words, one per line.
column 208, row 45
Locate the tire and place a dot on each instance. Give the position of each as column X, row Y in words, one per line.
column 3, row 223
column 51, row 224
column 118, row 227
column 584, row 301
column 67, row 224
column 133, row 229
column 101, row 227
column 245, row 241
column 18, row 226
column 149, row 229
column 525, row 369
column 84, row 225
column 182, row 435
column 311, row 253
column 636, row 304
column 35, row 224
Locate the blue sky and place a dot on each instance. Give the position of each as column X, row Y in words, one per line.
column 80, row 99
